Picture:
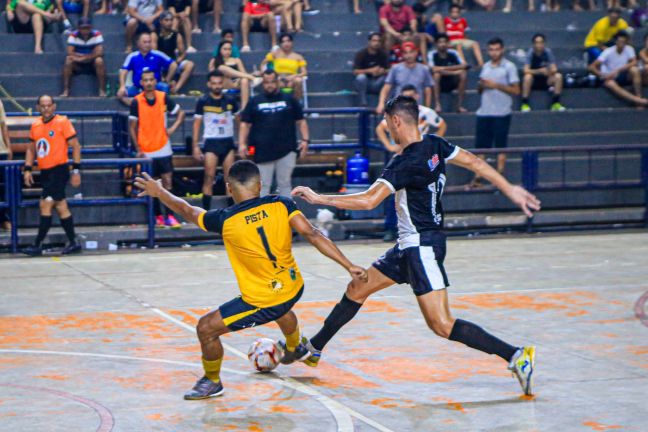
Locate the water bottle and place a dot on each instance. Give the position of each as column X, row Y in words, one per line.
column 358, row 169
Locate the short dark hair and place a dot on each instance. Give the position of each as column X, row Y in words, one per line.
column 409, row 87
column 45, row 95
column 455, row 6
column 226, row 32
column 147, row 70
column 269, row 71
column 496, row 41
column 419, row 7
column 372, row 34
column 622, row 34
column 442, row 36
column 403, row 105
column 142, row 34
column 243, row 171
column 538, row 35
column 215, row 73
column 285, row 35
column 614, row 10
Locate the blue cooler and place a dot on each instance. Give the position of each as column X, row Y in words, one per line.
column 358, row 170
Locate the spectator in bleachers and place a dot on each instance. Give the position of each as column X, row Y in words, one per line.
column 578, row 8
column 171, row 43
column 50, row 138
column 449, row 71
column 78, row 7
column 289, row 66
column 181, row 14
column 151, row 137
column 149, row 59
column 5, row 154
column 602, row 33
column 396, row 51
column 498, row 83
column 643, row 60
column 508, row 7
column 291, row 15
column 408, row 72
column 428, row 119
column 488, row 5
column 233, row 69
column 370, row 67
column 429, row 28
column 617, row 68
column 216, row 112
column 541, row 73
column 456, row 27
column 269, row 123
column 202, row 6
column 227, row 35
column 142, row 17
column 32, row 17
column 85, row 53
column 395, row 18
column 258, row 16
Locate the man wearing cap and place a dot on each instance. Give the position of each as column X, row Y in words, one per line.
column 407, row 72
column 84, row 56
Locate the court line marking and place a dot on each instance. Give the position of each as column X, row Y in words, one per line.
column 341, row 413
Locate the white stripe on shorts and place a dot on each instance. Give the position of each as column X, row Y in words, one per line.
column 432, row 270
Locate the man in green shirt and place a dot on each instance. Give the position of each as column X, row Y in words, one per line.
column 31, row 17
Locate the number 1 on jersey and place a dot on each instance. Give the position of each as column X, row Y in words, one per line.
column 266, row 245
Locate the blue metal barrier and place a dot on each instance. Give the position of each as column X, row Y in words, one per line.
column 13, row 191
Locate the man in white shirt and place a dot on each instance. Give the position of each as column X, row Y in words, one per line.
column 617, row 68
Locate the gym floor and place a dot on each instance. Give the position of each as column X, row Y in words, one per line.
column 106, row 343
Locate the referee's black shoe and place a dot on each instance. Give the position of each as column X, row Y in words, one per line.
column 71, row 248
column 33, row 250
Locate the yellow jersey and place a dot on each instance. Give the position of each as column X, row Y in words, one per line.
column 603, row 32
column 258, row 240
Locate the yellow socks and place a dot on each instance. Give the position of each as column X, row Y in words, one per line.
column 212, row 369
column 292, row 340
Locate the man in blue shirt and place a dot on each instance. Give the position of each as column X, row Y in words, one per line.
column 137, row 61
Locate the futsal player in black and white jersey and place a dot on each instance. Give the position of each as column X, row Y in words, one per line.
column 417, row 175
column 216, row 111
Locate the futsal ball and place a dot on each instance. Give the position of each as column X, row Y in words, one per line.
column 265, row 354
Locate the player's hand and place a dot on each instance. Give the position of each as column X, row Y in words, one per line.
column 242, row 151
column 198, row 154
column 75, row 180
column 358, row 273
column 306, row 193
column 486, row 83
column 525, row 200
column 28, row 178
column 303, row 149
column 150, row 187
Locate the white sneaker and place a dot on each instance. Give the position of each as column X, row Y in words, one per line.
column 522, row 365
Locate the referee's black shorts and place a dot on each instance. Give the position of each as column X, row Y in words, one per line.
column 54, row 180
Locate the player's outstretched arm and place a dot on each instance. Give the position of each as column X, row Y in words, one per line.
column 153, row 188
column 520, row 196
column 323, row 244
column 367, row 200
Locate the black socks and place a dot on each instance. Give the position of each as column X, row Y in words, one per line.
column 44, row 225
column 476, row 337
column 342, row 313
column 68, row 227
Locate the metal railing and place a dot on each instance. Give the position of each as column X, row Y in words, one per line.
column 14, row 199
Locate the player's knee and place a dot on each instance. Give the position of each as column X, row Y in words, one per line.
column 203, row 328
column 355, row 293
column 441, row 327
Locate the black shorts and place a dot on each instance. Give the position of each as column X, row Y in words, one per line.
column 238, row 314
column 84, row 68
column 623, row 79
column 540, row 82
column 54, row 180
column 161, row 166
column 19, row 27
column 492, row 132
column 448, row 83
column 219, row 146
column 419, row 266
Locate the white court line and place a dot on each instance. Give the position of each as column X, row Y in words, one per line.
column 340, row 412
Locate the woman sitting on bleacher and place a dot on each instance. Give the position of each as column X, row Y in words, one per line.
column 289, row 66
column 236, row 77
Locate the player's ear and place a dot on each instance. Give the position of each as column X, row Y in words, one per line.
column 229, row 188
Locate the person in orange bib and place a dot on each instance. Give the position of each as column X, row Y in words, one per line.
column 50, row 138
column 150, row 136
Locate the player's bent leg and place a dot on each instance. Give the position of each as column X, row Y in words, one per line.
column 345, row 310
column 436, row 311
column 211, row 163
column 294, row 347
column 209, row 329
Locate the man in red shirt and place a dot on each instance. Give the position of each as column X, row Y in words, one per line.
column 395, row 19
column 258, row 16
column 456, row 27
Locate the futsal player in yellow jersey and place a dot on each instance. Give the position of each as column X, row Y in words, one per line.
column 257, row 232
